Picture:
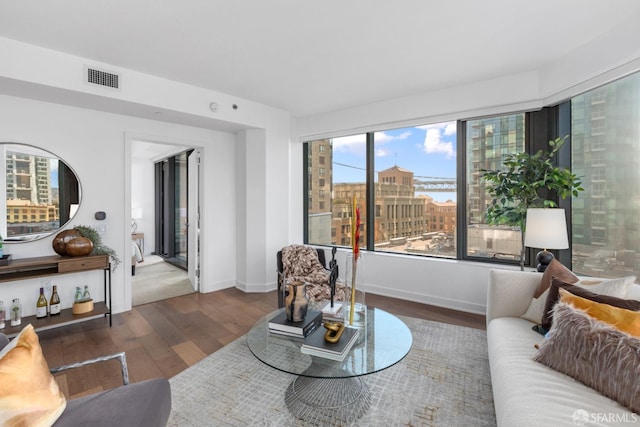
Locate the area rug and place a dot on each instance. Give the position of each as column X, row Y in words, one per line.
column 444, row 381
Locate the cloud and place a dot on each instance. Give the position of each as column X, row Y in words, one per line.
column 384, row 137
column 434, row 142
column 383, row 152
column 451, row 129
column 353, row 143
column 356, row 143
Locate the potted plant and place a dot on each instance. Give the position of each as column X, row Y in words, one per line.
column 527, row 181
column 98, row 247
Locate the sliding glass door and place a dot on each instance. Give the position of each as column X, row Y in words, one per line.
column 172, row 209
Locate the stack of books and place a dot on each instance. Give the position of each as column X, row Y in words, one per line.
column 280, row 325
column 333, row 314
column 315, row 345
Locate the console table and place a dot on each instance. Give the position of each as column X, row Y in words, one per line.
column 28, row 268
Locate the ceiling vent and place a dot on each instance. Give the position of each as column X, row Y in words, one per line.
column 102, row 78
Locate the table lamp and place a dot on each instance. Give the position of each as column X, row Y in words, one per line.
column 136, row 213
column 545, row 228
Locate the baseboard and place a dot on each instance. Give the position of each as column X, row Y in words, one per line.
column 256, row 287
column 393, row 293
column 452, row 304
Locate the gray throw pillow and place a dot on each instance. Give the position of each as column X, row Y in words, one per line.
column 594, row 353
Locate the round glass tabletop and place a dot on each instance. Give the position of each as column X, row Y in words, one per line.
column 386, row 342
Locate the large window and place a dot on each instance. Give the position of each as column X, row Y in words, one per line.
column 332, row 183
column 605, row 132
column 487, row 142
column 415, row 190
column 407, row 178
column 412, row 194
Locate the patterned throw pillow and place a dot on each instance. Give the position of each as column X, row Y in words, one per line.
column 29, row 395
column 594, row 353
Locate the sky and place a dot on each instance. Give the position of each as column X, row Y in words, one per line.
column 427, row 151
column 54, row 172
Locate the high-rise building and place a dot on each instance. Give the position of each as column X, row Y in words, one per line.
column 320, row 181
column 31, row 207
column 488, row 141
column 606, row 155
column 28, row 178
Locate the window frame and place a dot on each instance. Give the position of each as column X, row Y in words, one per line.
column 541, row 126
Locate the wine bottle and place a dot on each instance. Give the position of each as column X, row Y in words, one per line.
column 2, row 315
column 54, row 302
column 41, row 305
column 16, row 312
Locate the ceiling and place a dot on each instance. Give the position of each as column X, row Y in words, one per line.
column 313, row 57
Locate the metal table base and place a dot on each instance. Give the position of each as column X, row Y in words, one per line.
column 328, row 401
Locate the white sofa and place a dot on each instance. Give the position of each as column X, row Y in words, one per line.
column 525, row 392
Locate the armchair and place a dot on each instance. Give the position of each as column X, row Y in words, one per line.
column 146, row 403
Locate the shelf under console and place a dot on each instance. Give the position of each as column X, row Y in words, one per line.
column 27, row 268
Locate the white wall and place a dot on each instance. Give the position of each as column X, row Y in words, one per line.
column 101, row 144
column 93, row 143
column 442, row 282
column 143, row 197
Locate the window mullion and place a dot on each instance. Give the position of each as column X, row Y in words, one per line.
column 370, row 189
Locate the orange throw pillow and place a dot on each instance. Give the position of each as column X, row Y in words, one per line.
column 622, row 319
column 29, row 395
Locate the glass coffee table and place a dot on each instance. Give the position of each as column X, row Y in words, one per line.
column 328, row 391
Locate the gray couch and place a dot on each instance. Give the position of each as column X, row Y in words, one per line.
column 142, row 404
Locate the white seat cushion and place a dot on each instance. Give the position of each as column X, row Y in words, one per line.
column 527, row 393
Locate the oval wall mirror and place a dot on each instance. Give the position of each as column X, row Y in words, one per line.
column 39, row 191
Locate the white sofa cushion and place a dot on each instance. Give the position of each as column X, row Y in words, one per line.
column 529, row 394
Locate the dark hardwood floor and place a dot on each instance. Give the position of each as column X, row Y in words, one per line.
column 163, row 338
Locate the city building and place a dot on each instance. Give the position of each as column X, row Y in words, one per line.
column 32, row 207
column 28, row 178
column 605, row 224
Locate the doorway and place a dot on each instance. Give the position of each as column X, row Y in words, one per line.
column 165, row 194
column 172, row 197
column 177, row 212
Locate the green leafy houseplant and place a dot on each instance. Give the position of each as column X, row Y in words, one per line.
column 98, row 247
column 527, row 181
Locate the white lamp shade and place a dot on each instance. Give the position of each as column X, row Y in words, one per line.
column 546, row 229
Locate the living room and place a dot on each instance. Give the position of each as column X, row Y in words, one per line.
column 255, row 147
